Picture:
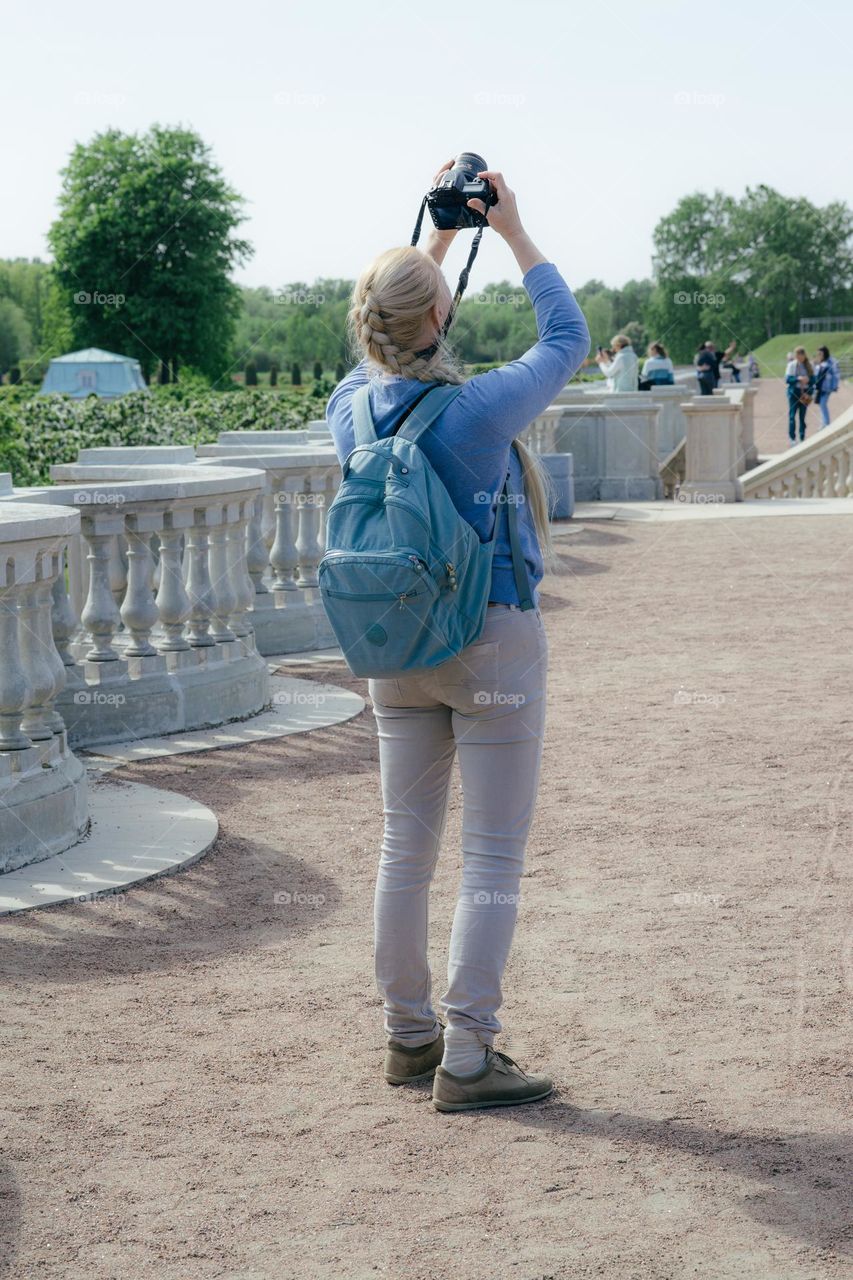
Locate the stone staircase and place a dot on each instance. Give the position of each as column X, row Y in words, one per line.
column 819, row 467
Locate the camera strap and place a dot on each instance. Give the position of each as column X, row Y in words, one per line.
column 462, row 285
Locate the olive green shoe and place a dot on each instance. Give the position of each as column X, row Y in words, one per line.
column 405, row 1065
column 500, row 1083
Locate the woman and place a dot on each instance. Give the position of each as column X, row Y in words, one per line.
column 799, row 378
column 487, row 705
column 730, row 361
column 657, row 368
column 706, row 369
column 826, row 380
column 621, row 372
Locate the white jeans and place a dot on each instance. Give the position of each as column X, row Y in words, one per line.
column 488, row 704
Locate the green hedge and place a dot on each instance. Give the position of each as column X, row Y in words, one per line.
column 36, row 431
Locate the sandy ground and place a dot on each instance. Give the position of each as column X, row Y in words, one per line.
column 194, row 1085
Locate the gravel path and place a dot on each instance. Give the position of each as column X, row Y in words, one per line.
column 194, row 1086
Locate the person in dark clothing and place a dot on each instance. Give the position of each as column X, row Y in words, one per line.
column 706, row 369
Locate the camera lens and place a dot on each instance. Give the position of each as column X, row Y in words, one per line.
column 470, row 163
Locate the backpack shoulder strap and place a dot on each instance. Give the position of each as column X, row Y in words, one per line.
column 362, row 420
column 429, row 407
column 519, row 567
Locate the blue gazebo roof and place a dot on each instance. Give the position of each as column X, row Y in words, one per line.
column 93, row 372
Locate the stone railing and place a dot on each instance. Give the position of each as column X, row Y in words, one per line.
column 613, row 440
column 43, row 806
column 743, row 397
column 819, row 467
column 285, row 534
column 713, row 456
column 152, row 624
column 671, row 425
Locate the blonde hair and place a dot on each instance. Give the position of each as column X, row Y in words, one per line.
column 802, row 356
column 620, row 341
column 390, row 303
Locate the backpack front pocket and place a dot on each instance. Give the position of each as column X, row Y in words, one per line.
column 379, row 607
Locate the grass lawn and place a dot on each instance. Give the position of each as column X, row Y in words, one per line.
column 771, row 355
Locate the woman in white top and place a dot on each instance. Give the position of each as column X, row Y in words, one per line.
column 621, row 371
column 657, row 368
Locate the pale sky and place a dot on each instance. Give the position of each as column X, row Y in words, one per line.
column 331, row 117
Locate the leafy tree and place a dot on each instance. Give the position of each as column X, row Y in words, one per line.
column 296, row 374
column 318, row 370
column 144, row 245
column 251, row 373
column 15, row 334
column 273, row 374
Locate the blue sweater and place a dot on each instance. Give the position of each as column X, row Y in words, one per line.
column 469, row 443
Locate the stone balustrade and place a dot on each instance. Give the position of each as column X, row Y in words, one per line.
column 43, row 807
column 153, row 620
column 613, row 439
column 818, row 467
column 671, row 425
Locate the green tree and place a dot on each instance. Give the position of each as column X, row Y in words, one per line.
column 15, row 334
column 144, row 245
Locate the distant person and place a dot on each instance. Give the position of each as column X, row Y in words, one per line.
column 729, row 361
column 706, row 369
column 621, row 370
column 800, row 380
column 657, row 368
column 717, row 357
column 752, row 369
column 827, row 378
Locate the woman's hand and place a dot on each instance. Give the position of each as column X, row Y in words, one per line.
column 503, row 216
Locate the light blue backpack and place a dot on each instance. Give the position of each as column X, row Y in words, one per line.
column 405, row 579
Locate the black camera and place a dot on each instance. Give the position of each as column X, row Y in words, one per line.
column 448, row 200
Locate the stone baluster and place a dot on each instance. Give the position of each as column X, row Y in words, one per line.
column 139, row 612
column 199, row 588
column 308, row 547
column 100, row 615
column 173, row 603
column 14, row 684
column 257, row 554
column 224, row 596
column 43, row 665
column 241, row 583
column 283, row 554
column 65, row 621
